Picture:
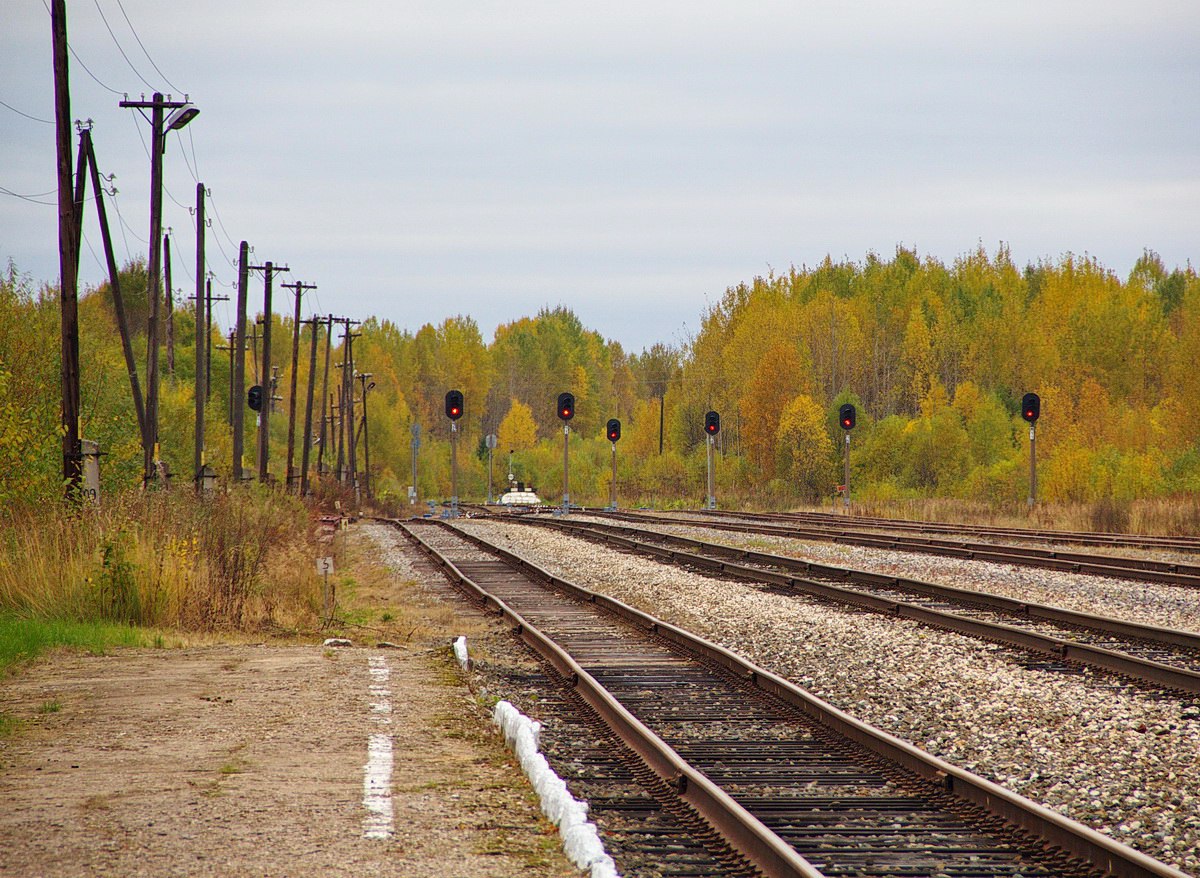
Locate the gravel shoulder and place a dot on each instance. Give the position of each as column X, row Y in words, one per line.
column 244, row 759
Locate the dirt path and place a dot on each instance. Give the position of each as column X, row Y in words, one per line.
column 249, row 760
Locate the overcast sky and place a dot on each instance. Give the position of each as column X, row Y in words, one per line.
column 627, row 160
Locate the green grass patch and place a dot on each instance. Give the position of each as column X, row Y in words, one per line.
column 26, row 639
column 8, row 725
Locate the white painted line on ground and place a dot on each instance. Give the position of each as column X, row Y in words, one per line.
column 377, row 773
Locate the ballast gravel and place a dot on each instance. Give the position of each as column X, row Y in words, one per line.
column 1120, row 759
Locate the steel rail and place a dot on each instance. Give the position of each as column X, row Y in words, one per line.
column 1158, row 674
column 1138, row 541
column 1142, row 570
column 1052, row 828
column 741, row 829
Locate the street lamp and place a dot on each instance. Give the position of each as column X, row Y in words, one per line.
column 182, row 113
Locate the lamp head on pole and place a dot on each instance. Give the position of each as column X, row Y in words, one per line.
column 181, row 116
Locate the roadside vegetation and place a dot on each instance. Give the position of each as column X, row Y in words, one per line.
column 935, row 358
column 146, row 563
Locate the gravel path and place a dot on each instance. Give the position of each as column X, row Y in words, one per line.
column 1111, row 756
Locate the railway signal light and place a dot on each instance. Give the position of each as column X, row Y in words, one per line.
column 566, row 406
column 1031, row 407
column 847, row 416
column 613, row 430
column 712, row 423
column 454, row 404
column 254, row 397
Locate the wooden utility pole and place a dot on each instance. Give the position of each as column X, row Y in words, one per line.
column 236, row 401
column 264, row 416
column 68, row 255
column 154, row 287
column 230, row 348
column 114, row 280
column 209, row 298
column 348, row 402
column 156, row 106
column 340, row 471
column 202, row 342
column 324, row 394
column 170, row 301
column 367, row 384
column 315, row 323
column 298, row 289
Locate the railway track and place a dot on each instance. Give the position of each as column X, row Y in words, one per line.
column 790, row 784
column 1054, row 537
column 1161, row 657
column 1140, row 569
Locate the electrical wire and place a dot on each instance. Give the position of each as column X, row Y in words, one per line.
column 183, row 152
column 117, row 43
column 103, row 268
column 32, row 199
column 86, row 69
column 195, row 161
column 221, row 223
column 143, row 47
column 26, row 115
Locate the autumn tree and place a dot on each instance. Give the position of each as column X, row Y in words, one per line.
column 803, row 449
column 518, row 430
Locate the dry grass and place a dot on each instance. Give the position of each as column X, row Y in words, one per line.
column 1173, row 517
column 229, row 562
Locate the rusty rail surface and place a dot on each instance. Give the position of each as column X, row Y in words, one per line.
column 1073, row 841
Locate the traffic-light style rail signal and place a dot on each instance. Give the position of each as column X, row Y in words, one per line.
column 847, row 416
column 712, row 423
column 566, row 406
column 254, row 398
column 1031, row 407
column 454, row 404
column 613, row 430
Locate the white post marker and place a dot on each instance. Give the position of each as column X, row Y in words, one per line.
column 324, row 568
column 379, row 821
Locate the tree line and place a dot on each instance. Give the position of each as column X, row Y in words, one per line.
column 935, row 357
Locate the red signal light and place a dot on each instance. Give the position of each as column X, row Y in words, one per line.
column 566, row 406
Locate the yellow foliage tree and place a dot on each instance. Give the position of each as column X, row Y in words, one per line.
column 804, row 451
column 518, row 431
column 781, row 374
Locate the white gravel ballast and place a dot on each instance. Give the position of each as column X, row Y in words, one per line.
column 1118, row 758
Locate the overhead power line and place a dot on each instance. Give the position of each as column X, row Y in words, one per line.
column 117, row 43
column 26, row 115
column 143, row 47
column 86, row 69
column 33, row 199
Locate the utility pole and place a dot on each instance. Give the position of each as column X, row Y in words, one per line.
column 347, row 401
column 209, row 298
column 68, row 256
column 298, row 289
column 264, row 416
column 315, row 323
column 202, row 342
column 221, row 347
column 114, row 280
column 364, row 378
column 236, row 398
column 183, row 112
column 170, row 296
column 339, row 467
column 324, row 395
